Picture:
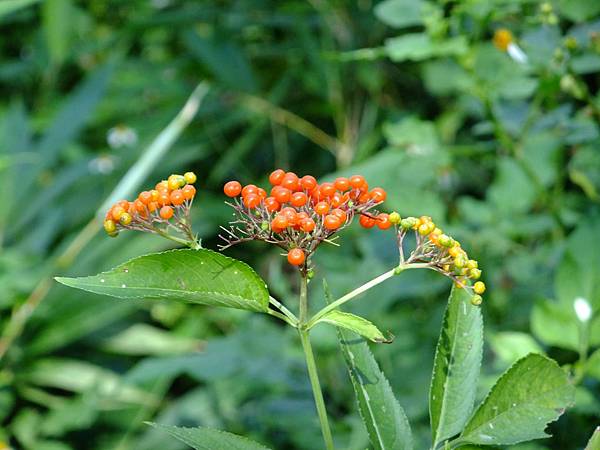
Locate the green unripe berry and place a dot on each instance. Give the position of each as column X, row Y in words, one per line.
column 445, row 240
column 474, row 274
column 460, row 262
column 408, row 223
column 264, row 225
column 476, row 300
column 310, row 274
column 395, row 218
column 472, row 264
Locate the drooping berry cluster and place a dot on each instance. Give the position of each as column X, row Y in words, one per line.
column 165, row 207
column 439, row 252
column 299, row 214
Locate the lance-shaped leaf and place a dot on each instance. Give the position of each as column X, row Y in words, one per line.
column 594, row 442
column 354, row 323
column 384, row 418
column 456, row 367
column 532, row 393
column 202, row 438
column 196, row 276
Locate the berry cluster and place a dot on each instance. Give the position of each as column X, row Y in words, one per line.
column 299, row 214
column 439, row 252
column 158, row 210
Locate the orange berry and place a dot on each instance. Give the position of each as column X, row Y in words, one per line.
column 166, row 212
column 279, row 222
column 290, row 181
column 378, row 195
column 116, row 212
column 251, row 201
column 296, row 257
column 154, row 195
column 322, row 208
column 262, row 193
column 342, row 184
column 153, row 206
column 276, row 177
column 145, row 197
column 281, row 194
column 298, row 199
column 164, row 199
column 308, row 182
column 383, row 221
column 189, row 192
column 307, row 225
column 364, row 197
column 290, row 214
column 249, row 189
column 332, row 222
column 177, row 198
column 327, row 189
column 357, row 181
column 232, row 188
column 272, row 204
column 162, row 186
column 341, row 214
column 366, row 221
column 337, row 200
column 139, row 206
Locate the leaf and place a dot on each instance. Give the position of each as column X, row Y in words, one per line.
column 532, row 393
column 144, row 339
column 384, row 418
column 9, row 6
column 509, row 346
column 195, row 276
column 419, row 46
column 355, row 323
column 594, row 442
column 579, row 10
column 400, row 13
column 456, row 367
column 57, row 19
column 202, row 438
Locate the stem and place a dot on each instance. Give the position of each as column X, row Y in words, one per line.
column 365, row 287
column 312, row 366
column 290, row 315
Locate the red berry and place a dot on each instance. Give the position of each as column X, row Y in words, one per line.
column 308, row 182
column 298, row 199
column 366, row 221
column 232, row 188
column 296, row 257
column 341, row 214
column 290, row 214
column 249, row 189
column 276, row 177
column 166, row 212
column 383, row 221
column 290, row 181
column 327, row 190
column 279, row 222
column 282, row 195
column 378, row 195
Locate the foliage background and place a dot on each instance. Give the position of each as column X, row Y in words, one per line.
column 412, row 93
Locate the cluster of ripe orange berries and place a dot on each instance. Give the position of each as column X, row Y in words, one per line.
column 171, row 197
column 444, row 253
column 299, row 213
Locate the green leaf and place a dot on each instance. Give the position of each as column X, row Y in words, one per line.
column 532, row 393
column 579, row 10
column 509, row 346
column 384, row 418
column 202, row 438
column 144, row 339
column 195, row 276
column 594, row 442
column 9, row 6
column 400, row 13
column 354, row 323
column 58, row 20
column 456, row 367
column 419, row 46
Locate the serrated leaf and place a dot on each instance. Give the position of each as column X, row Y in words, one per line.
column 202, row 438
column 195, row 276
column 384, row 418
column 456, row 367
column 355, row 323
column 532, row 393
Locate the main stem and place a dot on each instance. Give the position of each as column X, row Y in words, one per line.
column 312, row 366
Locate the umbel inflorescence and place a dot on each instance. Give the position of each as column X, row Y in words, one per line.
column 160, row 210
column 298, row 214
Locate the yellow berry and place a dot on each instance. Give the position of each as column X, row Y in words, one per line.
column 175, row 182
column 189, row 177
column 395, row 218
column 474, row 274
column 459, row 261
column 476, row 300
column 479, row 287
column 472, row 264
column 109, row 226
column 445, row 240
column 125, row 219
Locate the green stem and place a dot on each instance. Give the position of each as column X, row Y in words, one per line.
column 365, row 287
column 312, row 366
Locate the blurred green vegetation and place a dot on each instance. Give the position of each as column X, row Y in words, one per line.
column 412, row 93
